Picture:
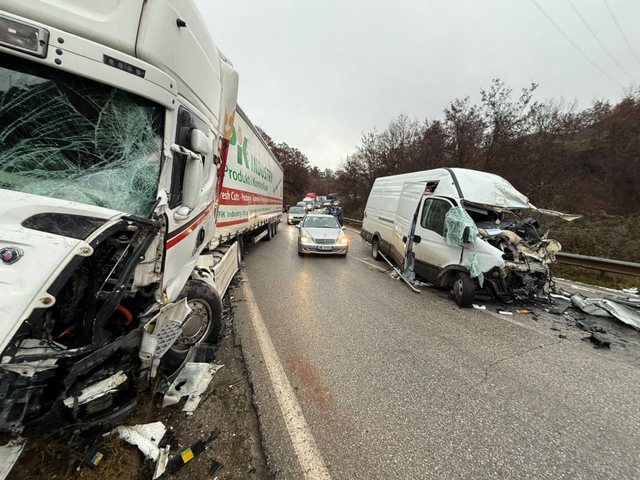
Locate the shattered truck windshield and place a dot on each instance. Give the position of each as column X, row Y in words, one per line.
column 70, row 138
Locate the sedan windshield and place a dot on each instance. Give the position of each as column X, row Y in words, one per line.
column 321, row 222
column 67, row 137
column 296, row 210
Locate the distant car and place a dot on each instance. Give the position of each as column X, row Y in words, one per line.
column 295, row 215
column 322, row 234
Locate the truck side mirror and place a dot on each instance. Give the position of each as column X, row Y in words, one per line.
column 191, row 182
column 200, row 142
column 466, row 234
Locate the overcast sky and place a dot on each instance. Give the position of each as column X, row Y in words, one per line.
column 319, row 73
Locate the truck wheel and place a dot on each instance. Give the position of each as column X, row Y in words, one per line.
column 269, row 235
column 375, row 249
column 463, row 290
column 201, row 326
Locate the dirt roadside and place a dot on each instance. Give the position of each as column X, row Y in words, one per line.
column 226, row 407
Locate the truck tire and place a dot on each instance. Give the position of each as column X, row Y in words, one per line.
column 375, row 249
column 269, row 234
column 202, row 326
column 463, row 290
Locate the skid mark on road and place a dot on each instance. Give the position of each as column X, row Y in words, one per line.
column 309, row 458
column 311, row 380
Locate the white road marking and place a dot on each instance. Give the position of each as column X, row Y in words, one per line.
column 309, row 458
column 370, row 264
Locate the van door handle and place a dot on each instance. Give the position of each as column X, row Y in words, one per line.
column 417, row 239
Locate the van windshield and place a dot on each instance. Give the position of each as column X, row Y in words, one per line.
column 66, row 137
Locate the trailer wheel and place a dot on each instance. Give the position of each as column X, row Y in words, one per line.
column 269, row 235
column 202, row 326
column 375, row 249
column 463, row 290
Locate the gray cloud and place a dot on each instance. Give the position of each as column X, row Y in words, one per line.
column 317, row 74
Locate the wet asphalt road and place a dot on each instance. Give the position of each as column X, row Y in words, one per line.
column 395, row 384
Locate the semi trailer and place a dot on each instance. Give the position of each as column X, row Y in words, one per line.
column 129, row 178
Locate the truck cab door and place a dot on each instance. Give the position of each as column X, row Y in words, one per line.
column 190, row 227
column 430, row 249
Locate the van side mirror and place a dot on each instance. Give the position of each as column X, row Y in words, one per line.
column 466, row 233
column 417, row 239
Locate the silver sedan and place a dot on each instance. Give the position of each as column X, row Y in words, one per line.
column 322, row 234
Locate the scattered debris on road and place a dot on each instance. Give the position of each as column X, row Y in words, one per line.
column 147, row 438
column 608, row 307
column 192, row 381
column 598, row 342
column 191, row 452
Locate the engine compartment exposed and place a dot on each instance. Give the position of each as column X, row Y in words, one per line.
column 76, row 362
column 527, row 254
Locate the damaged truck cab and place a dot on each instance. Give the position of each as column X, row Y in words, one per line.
column 115, row 123
column 463, row 230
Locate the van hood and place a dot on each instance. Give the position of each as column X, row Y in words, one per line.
column 482, row 188
column 34, row 250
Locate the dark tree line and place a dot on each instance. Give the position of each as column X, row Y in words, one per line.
column 561, row 157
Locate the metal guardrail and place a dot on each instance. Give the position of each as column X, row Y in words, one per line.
column 604, row 265
column 353, row 221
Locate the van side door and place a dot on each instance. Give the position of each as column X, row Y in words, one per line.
column 430, row 249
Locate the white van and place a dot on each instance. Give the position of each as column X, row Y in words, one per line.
column 460, row 229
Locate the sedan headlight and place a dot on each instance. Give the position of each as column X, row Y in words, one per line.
column 305, row 239
column 343, row 240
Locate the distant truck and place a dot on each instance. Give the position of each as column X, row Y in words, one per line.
column 461, row 229
column 129, row 179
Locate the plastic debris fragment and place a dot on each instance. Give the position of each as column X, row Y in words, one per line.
column 147, row 438
column 9, row 455
column 191, row 382
column 189, row 453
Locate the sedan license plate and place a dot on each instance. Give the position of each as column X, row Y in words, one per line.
column 325, row 247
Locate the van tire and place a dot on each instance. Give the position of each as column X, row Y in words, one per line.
column 375, row 249
column 463, row 290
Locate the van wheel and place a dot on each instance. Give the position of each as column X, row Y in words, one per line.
column 375, row 249
column 463, row 290
column 201, row 326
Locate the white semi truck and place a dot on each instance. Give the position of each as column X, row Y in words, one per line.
column 128, row 180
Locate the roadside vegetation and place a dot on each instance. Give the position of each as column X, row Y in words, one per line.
column 583, row 161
